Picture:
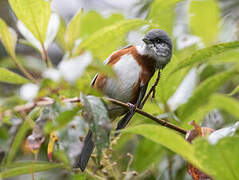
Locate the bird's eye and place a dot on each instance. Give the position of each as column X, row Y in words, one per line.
column 158, row 41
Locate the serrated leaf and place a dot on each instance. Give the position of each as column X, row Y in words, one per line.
column 73, row 30
column 11, row 77
column 203, row 92
column 169, row 139
column 34, row 14
column 203, row 55
column 109, row 38
column 221, row 160
column 28, row 168
column 208, row 28
column 8, row 37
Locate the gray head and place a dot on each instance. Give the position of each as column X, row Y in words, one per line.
column 159, row 45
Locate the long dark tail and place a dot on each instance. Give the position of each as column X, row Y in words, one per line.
column 124, row 121
column 88, row 147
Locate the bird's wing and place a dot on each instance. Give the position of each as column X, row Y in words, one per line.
column 106, row 62
column 93, row 81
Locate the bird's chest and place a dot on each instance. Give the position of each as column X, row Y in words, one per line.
column 127, row 80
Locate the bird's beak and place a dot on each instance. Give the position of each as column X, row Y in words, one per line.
column 147, row 41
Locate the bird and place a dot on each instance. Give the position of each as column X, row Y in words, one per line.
column 134, row 66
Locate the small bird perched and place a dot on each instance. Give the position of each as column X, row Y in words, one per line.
column 134, row 66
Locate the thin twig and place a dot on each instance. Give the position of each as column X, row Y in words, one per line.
column 48, row 101
column 24, row 71
column 150, row 116
column 151, row 90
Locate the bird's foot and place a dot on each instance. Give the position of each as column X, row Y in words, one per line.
column 132, row 107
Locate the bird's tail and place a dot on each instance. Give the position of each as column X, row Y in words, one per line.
column 124, row 121
column 88, row 147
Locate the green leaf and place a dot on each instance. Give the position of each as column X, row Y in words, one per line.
column 93, row 21
column 203, row 55
column 154, row 153
column 109, row 37
column 216, row 101
column 28, row 168
column 235, row 91
column 8, row 37
column 34, row 14
column 96, row 115
column 18, row 141
column 11, row 77
column 60, row 37
column 21, row 135
column 61, row 120
column 162, row 13
column 202, row 93
column 73, row 30
column 221, row 160
column 169, row 139
column 169, row 81
column 205, row 19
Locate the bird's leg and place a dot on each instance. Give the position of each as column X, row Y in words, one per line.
column 132, row 107
column 125, row 120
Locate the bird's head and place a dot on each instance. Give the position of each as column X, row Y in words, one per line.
column 159, row 45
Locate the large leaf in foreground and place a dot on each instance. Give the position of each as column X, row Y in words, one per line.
column 169, row 139
column 28, row 168
column 11, row 77
column 34, row 14
column 222, row 159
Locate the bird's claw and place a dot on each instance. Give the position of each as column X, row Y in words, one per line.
column 132, row 107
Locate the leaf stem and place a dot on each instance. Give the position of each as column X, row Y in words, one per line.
column 45, row 56
column 24, row 71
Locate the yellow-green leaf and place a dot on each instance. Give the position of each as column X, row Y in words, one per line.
column 11, row 77
column 109, row 38
column 8, row 37
column 202, row 93
column 34, row 14
column 169, row 139
column 28, row 168
column 204, row 19
column 73, row 30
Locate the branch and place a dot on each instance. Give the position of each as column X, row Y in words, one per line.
column 48, row 101
column 150, row 116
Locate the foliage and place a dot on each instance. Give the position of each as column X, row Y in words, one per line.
column 201, row 77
